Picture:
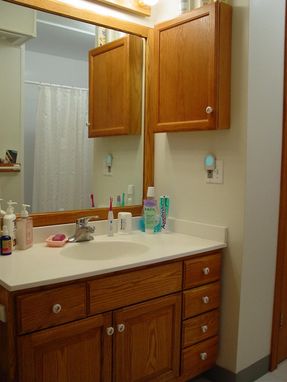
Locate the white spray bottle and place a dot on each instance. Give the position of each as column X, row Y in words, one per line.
column 9, row 220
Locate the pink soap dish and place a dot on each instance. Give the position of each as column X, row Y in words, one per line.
column 59, row 242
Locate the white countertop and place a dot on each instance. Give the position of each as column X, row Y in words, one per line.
column 41, row 265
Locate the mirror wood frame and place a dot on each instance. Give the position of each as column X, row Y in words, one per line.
column 63, row 9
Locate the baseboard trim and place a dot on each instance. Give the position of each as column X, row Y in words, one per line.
column 250, row 374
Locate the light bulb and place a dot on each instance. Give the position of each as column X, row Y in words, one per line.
column 148, row 3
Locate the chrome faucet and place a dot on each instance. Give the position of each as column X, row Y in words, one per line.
column 83, row 230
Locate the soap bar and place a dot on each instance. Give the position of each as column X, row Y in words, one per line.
column 59, row 237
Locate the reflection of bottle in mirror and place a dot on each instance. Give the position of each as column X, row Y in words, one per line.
column 131, row 192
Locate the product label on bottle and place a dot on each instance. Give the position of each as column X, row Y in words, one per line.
column 29, row 233
column 6, row 247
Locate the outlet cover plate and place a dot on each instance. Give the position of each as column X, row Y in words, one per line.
column 217, row 174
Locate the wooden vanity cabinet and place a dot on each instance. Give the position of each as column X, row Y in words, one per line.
column 192, row 64
column 155, row 323
column 115, row 88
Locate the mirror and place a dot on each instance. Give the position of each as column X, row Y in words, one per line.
column 44, row 115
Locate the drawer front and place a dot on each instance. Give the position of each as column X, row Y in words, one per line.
column 201, row 270
column 52, row 307
column 122, row 290
column 200, row 328
column 201, row 299
column 198, row 358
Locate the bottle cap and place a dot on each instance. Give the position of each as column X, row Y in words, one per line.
column 151, row 192
column 24, row 212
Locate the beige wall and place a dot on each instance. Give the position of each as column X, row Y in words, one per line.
column 127, row 168
column 247, row 202
column 181, row 155
column 10, row 116
column 264, row 136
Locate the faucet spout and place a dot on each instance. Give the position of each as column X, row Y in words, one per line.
column 83, row 230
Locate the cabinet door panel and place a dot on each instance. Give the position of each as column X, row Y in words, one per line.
column 186, row 71
column 149, row 347
column 77, row 352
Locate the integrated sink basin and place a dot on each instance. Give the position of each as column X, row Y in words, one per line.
column 103, row 250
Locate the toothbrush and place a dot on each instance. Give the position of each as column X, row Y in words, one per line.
column 92, row 200
column 111, row 219
column 123, row 199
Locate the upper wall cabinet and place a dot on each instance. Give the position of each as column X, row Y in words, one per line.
column 115, row 86
column 192, row 70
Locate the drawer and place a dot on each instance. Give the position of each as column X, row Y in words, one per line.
column 52, row 307
column 200, row 328
column 201, row 299
column 201, row 270
column 117, row 291
column 198, row 358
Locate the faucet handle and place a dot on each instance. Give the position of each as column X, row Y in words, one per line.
column 85, row 220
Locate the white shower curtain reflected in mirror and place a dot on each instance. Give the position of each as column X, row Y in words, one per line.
column 63, row 153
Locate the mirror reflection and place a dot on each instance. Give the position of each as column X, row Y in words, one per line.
column 44, row 98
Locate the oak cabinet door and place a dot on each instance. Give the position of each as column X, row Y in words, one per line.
column 147, row 341
column 192, row 70
column 76, row 352
column 115, row 88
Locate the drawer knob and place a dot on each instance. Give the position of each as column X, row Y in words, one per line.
column 56, row 308
column 203, row 356
column 204, row 328
column 209, row 110
column 110, row 331
column 121, row 328
column 205, row 299
column 206, row 271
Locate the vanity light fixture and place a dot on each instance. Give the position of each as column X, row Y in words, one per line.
column 147, row 3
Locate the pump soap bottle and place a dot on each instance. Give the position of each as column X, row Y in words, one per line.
column 9, row 221
column 24, row 229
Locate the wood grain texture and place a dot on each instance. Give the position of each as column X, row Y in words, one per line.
column 194, row 275
column 193, row 299
column 71, row 11
column 116, row 291
column 115, row 88
column 75, row 352
column 50, row 218
column 279, row 334
column 35, row 309
column 192, row 365
column 8, row 370
column 224, row 66
column 149, row 115
column 192, row 328
column 149, row 347
column 189, row 70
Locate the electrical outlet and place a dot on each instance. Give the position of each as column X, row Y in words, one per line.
column 216, row 176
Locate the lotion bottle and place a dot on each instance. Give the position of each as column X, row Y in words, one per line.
column 24, row 229
column 9, row 220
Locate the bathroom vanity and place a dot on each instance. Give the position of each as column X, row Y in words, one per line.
column 146, row 317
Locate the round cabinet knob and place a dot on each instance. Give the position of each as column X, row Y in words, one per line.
column 203, row 356
column 205, row 299
column 204, row 328
column 56, row 308
column 206, row 271
column 209, row 110
column 110, row 331
column 121, row 328
column 88, row 124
